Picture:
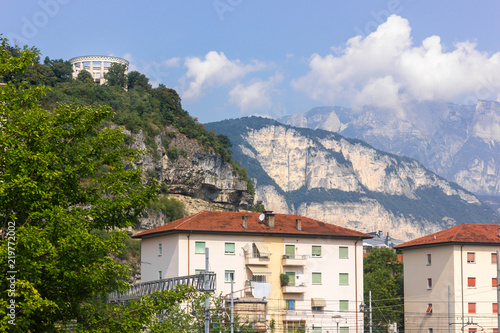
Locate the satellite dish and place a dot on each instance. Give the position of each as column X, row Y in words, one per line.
column 262, row 217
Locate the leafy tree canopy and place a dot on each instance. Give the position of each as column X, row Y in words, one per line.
column 62, row 176
column 116, row 75
column 383, row 276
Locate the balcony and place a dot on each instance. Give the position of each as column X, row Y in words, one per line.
column 293, row 289
column 256, row 260
column 294, row 260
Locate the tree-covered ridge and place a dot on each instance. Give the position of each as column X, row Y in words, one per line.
column 138, row 107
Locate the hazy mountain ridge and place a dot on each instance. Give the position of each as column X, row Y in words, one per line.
column 458, row 142
column 326, row 176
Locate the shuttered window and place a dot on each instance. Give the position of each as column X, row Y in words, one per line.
column 471, row 257
column 472, row 307
column 343, row 278
column 343, row 252
column 494, row 283
column 316, row 278
column 199, row 247
column 344, row 305
column 471, row 282
column 229, row 248
column 494, row 258
column 316, row 251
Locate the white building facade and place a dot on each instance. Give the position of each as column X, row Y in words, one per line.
column 322, row 263
column 450, row 280
column 96, row 65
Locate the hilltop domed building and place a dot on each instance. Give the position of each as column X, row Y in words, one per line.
column 96, row 65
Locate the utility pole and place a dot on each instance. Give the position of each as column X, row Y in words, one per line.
column 371, row 322
column 207, row 286
column 232, row 305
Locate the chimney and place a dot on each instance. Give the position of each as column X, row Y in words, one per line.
column 298, row 224
column 244, row 222
column 269, row 219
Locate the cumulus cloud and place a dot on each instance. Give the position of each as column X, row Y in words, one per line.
column 215, row 70
column 385, row 69
column 254, row 96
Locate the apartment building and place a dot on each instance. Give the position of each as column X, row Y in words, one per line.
column 308, row 273
column 450, row 280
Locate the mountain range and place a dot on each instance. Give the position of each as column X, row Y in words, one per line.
column 324, row 175
column 458, row 142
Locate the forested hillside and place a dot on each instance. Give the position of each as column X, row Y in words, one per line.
column 136, row 104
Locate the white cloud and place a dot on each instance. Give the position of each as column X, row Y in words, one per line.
column 254, row 96
column 385, row 69
column 216, row 70
column 172, row 62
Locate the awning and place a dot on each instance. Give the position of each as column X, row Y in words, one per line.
column 259, row 270
column 263, row 250
column 318, row 302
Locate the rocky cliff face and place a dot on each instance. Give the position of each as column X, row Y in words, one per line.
column 458, row 142
column 325, row 176
column 200, row 179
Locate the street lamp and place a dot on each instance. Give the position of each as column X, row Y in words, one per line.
column 337, row 319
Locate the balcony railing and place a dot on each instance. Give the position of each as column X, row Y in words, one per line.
column 294, row 289
column 294, row 260
column 256, row 260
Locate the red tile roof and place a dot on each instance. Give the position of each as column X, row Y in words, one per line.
column 231, row 222
column 463, row 233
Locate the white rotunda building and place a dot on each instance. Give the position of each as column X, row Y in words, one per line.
column 96, row 65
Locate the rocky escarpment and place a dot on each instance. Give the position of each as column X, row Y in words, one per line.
column 197, row 177
column 459, row 142
column 323, row 175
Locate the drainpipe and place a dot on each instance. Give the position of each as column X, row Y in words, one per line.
column 462, row 280
column 356, row 280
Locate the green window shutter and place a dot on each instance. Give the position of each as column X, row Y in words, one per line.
column 343, row 252
column 199, row 271
column 344, row 330
column 199, row 247
column 291, row 278
column 343, row 278
column 316, row 251
column 229, row 248
column 317, row 330
column 290, row 250
column 344, row 305
column 316, row 278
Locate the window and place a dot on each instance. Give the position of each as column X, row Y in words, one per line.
column 495, row 330
column 159, row 275
column 160, row 250
column 471, row 282
column 291, row 278
column 343, row 278
column 343, row 305
column 290, row 251
column 316, row 251
column 316, row 278
column 199, row 271
column 472, row 330
column 258, row 278
column 471, row 257
column 429, row 259
column 472, row 307
column 317, row 330
column 495, row 307
column 344, row 330
column 494, row 258
column 494, row 283
column 228, row 276
column 199, row 247
column 229, row 248
column 429, row 283
column 343, row 252
column 430, row 330
column 429, row 308
column 290, row 304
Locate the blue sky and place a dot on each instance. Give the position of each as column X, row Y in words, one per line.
column 232, row 58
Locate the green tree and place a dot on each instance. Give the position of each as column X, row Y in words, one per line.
column 63, row 175
column 85, row 77
column 383, row 276
column 116, row 75
column 136, row 79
